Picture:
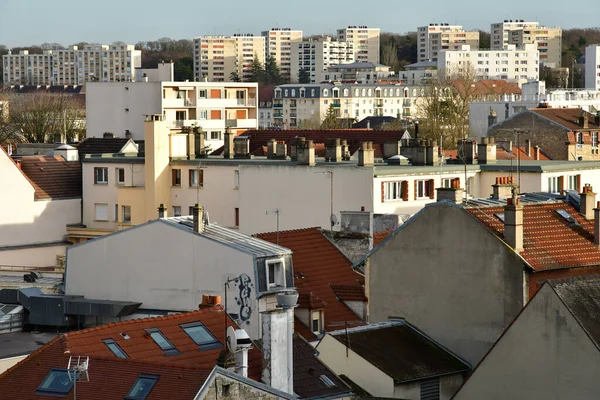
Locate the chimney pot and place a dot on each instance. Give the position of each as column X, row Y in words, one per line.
column 198, row 218
column 536, row 152
column 161, row 210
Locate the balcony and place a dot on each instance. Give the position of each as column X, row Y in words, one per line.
column 277, row 105
column 336, row 104
column 225, row 103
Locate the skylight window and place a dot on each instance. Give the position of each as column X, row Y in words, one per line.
column 500, row 216
column 57, row 382
column 327, row 381
column 568, row 217
column 115, row 348
column 162, row 342
column 142, row 387
column 201, row 336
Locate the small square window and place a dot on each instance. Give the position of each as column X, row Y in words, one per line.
column 275, row 273
column 57, row 382
column 101, row 175
column 115, row 348
column 201, row 336
column 142, row 387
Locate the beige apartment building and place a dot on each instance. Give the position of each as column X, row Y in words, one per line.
column 365, row 42
column 520, row 32
column 216, row 58
column 73, row 66
column 437, row 37
column 279, row 44
column 316, row 55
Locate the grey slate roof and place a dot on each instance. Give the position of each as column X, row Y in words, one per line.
column 231, row 237
column 581, row 295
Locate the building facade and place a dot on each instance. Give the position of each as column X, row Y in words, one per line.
column 220, row 58
column 592, row 67
column 280, row 43
column 365, row 42
column 209, row 105
column 359, row 72
column 437, row 37
column 512, row 64
column 73, row 66
column 519, row 32
column 316, row 55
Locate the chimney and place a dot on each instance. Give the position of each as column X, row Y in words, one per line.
column 128, row 134
column 161, row 210
column 536, row 152
column 528, row 147
column 587, row 202
column 502, row 189
column 453, row 194
column 391, row 148
column 597, row 225
column 345, row 150
column 108, row 135
column 241, row 346
column 271, row 148
column 228, row 149
column 366, row 155
column 333, row 150
column 513, row 222
column 492, row 118
column 486, row 151
column 209, row 300
column 296, row 144
column 198, row 218
column 241, row 147
column 467, row 149
column 584, row 120
column 191, row 145
column 305, row 153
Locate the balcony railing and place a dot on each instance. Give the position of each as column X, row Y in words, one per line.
column 336, row 105
column 231, row 123
column 277, row 105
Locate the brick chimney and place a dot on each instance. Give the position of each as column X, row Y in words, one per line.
column 333, row 150
column 528, row 147
column 502, row 189
column 161, row 210
column 587, row 202
column 210, row 300
column 597, row 225
column 487, row 151
column 584, row 120
column 453, row 194
column 198, row 218
column 228, row 151
column 536, row 152
column 366, row 155
column 241, row 147
column 513, row 222
column 305, row 152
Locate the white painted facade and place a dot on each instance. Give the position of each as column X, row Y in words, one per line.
column 31, row 231
column 548, row 40
column 365, row 42
column 512, row 64
column 120, row 107
column 434, row 38
column 316, row 55
column 592, row 67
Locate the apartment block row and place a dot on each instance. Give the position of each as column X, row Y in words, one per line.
column 73, row 66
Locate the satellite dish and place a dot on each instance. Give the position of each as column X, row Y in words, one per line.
column 231, row 339
column 333, row 220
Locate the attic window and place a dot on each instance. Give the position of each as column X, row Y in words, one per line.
column 201, row 336
column 162, row 342
column 115, row 348
column 327, row 381
column 142, row 387
column 57, row 383
column 275, row 273
column 500, row 216
column 568, row 217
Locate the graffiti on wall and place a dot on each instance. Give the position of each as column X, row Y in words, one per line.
column 244, row 286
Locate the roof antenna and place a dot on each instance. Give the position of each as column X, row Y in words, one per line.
column 77, row 369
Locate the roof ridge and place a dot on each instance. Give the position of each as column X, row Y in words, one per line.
column 257, row 235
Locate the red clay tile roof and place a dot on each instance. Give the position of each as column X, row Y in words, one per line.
column 318, row 264
column 310, row 300
column 308, row 370
column 109, row 378
column 378, row 237
column 567, row 117
column 52, row 177
column 502, row 154
column 490, row 86
column 140, row 346
column 549, row 241
column 349, row 293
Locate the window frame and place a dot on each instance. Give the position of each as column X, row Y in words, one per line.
column 52, row 392
column 119, row 349
column 425, row 189
column 118, row 179
column 176, row 211
column 105, row 177
column 96, row 212
column 553, row 183
column 196, row 183
column 213, row 344
column 280, row 275
column 176, row 177
column 171, row 350
column 153, row 378
column 318, row 320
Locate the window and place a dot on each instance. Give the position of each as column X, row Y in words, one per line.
column 142, row 387
column 177, row 211
column 594, row 139
column 115, row 348
column 236, row 179
column 275, row 273
column 57, row 382
column 162, row 341
column 202, row 94
column 196, row 178
column 328, row 382
column 100, row 212
column 176, row 177
column 315, row 322
column 573, row 182
column 201, row 336
column 579, row 140
column 424, row 189
column 126, row 211
column 215, row 135
column 116, row 212
column 554, row 184
column 393, row 191
column 236, row 216
column 101, row 175
column 120, row 173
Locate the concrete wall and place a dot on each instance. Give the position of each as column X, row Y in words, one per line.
column 226, row 388
column 544, row 355
column 448, row 385
column 451, row 277
column 301, row 194
column 161, row 266
column 333, row 354
column 7, row 363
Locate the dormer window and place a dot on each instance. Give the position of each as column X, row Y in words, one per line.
column 275, row 273
column 316, row 321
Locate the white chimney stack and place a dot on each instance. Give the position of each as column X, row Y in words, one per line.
column 513, row 223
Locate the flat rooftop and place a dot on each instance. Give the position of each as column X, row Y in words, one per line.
column 21, row 343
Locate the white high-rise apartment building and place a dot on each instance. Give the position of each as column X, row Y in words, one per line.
column 592, row 67
column 279, row 45
column 436, row 37
column 316, row 55
column 73, row 66
column 365, row 41
column 520, row 32
column 512, row 64
column 216, row 58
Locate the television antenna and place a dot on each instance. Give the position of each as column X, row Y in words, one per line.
column 77, row 369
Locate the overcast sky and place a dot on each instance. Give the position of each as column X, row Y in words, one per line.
column 28, row 22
